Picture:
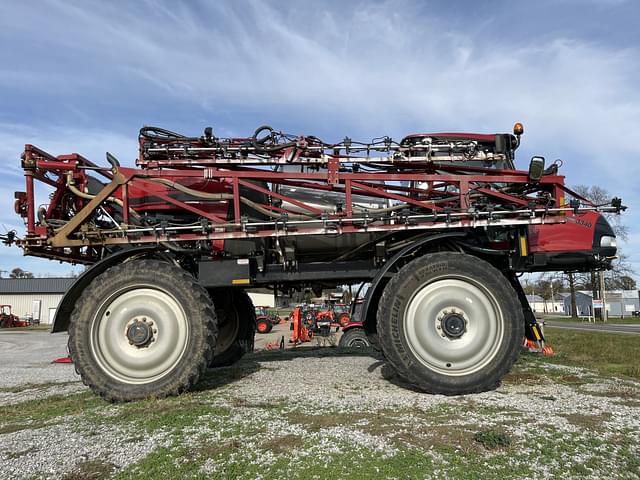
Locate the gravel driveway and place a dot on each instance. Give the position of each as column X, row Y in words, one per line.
column 313, row 413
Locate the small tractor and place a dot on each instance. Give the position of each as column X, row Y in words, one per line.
column 8, row 320
column 341, row 314
column 264, row 320
column 439, row 226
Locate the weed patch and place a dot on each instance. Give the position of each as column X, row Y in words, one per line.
column 91, row 470
column 492, row 439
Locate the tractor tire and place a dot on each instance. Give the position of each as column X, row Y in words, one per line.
column 450, row 323
column 263, row 325
column 142, row 329
column 354, row 338
column 236, row 326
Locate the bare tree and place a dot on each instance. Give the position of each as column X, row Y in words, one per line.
column 572, row 291
column 620, row 267
column 599, row 196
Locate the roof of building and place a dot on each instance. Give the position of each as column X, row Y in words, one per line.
column 35, row 285
column 535, row 298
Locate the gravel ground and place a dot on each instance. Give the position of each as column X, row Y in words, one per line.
column 571, row 421
column 25, row 358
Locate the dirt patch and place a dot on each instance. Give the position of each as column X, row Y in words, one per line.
column 91, row 470
column 315, row 423
column 588, row 422
column 284, row 444
column 522, row 378
column 213, row 450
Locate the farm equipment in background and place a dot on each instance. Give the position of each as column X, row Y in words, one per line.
column 314, row 321
column 354, row 336
column 265, row 320
column 9, row 320
column 300, row 333
column 341, row 314
column 325, row 325
column 438, row 225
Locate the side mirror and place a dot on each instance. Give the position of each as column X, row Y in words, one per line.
column 536, row 169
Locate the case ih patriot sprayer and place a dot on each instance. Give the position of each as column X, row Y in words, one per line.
column 438, row 225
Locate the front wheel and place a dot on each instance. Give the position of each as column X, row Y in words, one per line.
column 450, row 323
column 144, row 328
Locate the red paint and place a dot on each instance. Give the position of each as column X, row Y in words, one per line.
column 574, row 235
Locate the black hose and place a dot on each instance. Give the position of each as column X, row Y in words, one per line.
column 162, row 135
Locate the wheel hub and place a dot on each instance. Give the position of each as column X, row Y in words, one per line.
column 140, row 332
column 453, row 325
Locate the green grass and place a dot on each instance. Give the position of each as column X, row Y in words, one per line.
column 608, row 353
column 40, row 327
column 33, row 386
column 610, row 320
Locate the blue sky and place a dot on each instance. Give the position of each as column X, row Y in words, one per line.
column 85, row 76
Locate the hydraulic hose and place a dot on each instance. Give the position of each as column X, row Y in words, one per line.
column 88, row 196
column 225, row 196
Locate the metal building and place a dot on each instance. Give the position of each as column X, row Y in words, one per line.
column 35, row 298
column 619, row 303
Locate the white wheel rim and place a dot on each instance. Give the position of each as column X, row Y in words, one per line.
column 129, row 363
column 483, row 326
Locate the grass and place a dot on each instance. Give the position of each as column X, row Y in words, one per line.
column 610, row 320
column 33, row 386
column 40, row 327
column 492, row 439
column 607, row 353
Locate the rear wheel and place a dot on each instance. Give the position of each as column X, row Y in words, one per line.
column 354, row 338
column 237, row 325
column 144, row 328
column 450, row 323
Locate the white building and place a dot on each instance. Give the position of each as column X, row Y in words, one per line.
column 536, row 302
column 35, row 298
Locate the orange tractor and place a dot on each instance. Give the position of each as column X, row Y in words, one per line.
column 264, row 320
column 8, row 320
column 341, row 314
